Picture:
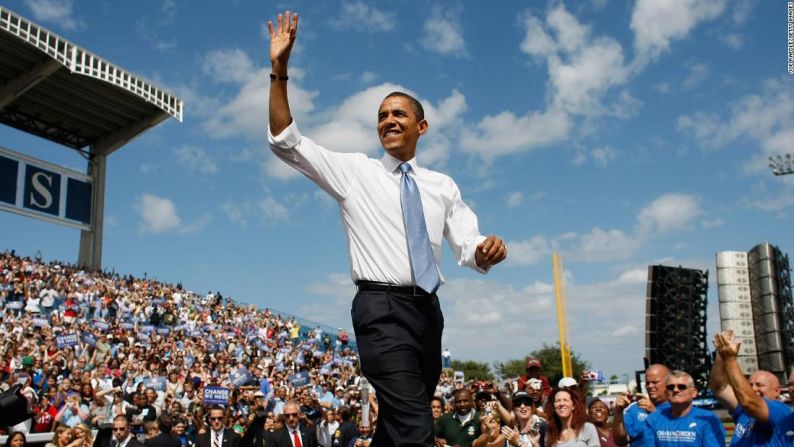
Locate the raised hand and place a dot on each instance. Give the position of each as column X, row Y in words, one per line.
column 726, row 345
column 281, row 39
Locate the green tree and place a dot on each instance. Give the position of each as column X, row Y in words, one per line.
column 551, row 361
column 473, row 370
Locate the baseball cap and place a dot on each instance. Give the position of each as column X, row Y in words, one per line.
column 566, row 382
column 533, row 363
column 259, row 394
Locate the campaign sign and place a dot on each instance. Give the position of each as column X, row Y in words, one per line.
column 15, row 305
column 189, row 361
column 89, row 339
column 41, row 322
column 22, row 379
column 196, row 334
column 126, row 325
column 210, row 327
column 157, row 301
column 101, row 325
column 147, row 328
column 163, row 331
column 216, row 395
column 157, row 382
column 66, row 340
column 240, row 377
column 299, row 379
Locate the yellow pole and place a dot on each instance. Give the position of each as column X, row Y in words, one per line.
column 562, row 319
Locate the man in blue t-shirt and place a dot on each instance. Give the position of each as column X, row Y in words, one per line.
column 753, row 404
column 628, row 425
column 784, row 432
column 680, row 424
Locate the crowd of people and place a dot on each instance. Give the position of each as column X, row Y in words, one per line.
column 115, row 361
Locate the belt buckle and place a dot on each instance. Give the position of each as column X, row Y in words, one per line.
column 417, row 291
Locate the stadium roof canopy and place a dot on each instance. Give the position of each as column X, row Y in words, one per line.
column 52, row 88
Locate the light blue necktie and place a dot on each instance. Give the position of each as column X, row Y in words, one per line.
column 420, row 252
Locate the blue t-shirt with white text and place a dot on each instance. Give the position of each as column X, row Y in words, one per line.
column 751, row 433
column 634, row 421
column 698, row 428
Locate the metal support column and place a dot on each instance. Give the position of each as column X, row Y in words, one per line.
column 91, row 241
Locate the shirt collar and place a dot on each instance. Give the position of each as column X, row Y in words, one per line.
column 391, row 163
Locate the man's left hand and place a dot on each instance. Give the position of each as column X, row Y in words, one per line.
column 490, row 252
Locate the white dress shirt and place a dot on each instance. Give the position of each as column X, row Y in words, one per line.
column 368, row 193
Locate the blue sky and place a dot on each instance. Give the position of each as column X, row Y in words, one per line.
column 620, row 133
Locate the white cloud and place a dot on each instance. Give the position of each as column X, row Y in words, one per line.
column 247, row 113
column 228, row 65
column 272, row 209
column 625, row 330
column 528, row 252
column 734, row 40
column 514, row 199
column 536, row 41
column 368, row 77
column 158, row 214
column 196, row 159
column 662, row 87
column 54, row 11
column 359, row 15
column 698, row 72
column 742, row 10
column 443, row 33
column 265, row 210
column 666, row 214
column 506, row 133
column 602, row 156
column 764, row 119
column 669, row 212
column 602, row 246
column 658, row 23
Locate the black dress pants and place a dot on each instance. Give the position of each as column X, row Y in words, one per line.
column 399, row 345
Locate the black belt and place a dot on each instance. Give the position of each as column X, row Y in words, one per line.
column 374, row 286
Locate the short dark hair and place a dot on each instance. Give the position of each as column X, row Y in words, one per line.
column 165, row 422
column 419, row 111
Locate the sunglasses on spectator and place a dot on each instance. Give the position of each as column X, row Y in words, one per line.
column 291, row 415
column 217, row 418
column 680, row 386
column 119, row 428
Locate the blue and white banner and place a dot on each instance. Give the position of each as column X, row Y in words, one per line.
column 163, row 330
column 35, row 188
column 216, row 395
column 41, row 322
column 101, row 325
column 158, row 383
column 240, row 377
column 89, row 339
column 147, row 328
column 299, row 379
column 66, row 340
column 126, row 325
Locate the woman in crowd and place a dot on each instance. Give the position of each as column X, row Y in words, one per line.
column 81, row 436
column 524, row 428
column 61, row 438
column 491, row 428
column 599, row 417
column 567, row 424
column 16, row 439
